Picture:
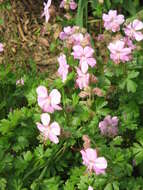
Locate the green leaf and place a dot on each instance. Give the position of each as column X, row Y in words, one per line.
column 131, row 86
column 108, row 187
column 133, row 74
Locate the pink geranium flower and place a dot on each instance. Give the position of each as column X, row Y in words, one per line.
column 67, row 31
column 132, row 30
column 46, row 10
column 48, row 103
column 63, row 67
column 119, row 53
column 49, row 131
column 73, row 5
column 90, row 159
column 1, row 47
column 82, row 80
column 112, row 21
column 85, row 57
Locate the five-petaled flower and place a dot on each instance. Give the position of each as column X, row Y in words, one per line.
column 132, row 30
column 93, row 163
column 119, row 53
column 48, row 103
column 49, row 131
column 112, row 21
column 85, row 55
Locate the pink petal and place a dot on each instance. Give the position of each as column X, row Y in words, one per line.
column 55, row 97
column 84, row 66
column 137, row 24
column 91, row 154
column 88, row 51
column 42, row 91
column 55, row 128
column 91, row 62
column 45, row 118
column 40, row 127
column 53, row 138
column 101, row 163
column 138, row 36
column 78, row 51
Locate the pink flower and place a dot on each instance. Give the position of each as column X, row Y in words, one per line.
column 49, row 131
column 90, row 188
column 90, row 159
column 73, row 5
column 112, row 21
column 85, row 57
column 20, row 82
column 76, row 38
column 82, row 80
column 119, row 53
column 48, row 103
column 63, row 67
column 46, row 10
column 1, row 47
column 132, row 30
column 67, row 31
column 109, row 126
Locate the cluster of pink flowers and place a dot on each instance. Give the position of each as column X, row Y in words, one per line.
column 49, row 131
column 79, row 41
column 133, row 30
column 109, row 126
column 121, row 50
column 66, row 4
column 74, row 36
column 46, row 10
column 112, row 21
column 48, row 103
column 93, row 162
column 1, row 47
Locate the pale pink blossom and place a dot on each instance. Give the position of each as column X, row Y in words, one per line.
column 73, row 5
column 46, row 10
column 49, row 131
column 1, row 47
column 63, row 67
column 119, row 53
column 90, row 188
column 85, row 57
column 48, row 103
column 109, row 126
column 67, row 31
column 93, row 163
column 132, row 30
column 20, row 82
column 82, row 80
column 112, row 21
